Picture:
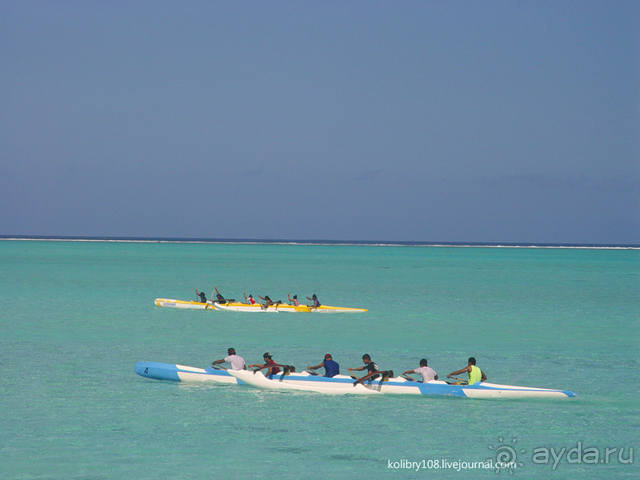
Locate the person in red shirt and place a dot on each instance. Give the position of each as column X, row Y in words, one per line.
column 271, row 366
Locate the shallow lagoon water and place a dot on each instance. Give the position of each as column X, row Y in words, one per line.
column 76, row 316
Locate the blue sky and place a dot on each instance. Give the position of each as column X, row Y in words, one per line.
column 415, row 121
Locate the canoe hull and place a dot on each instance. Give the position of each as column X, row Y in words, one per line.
column 171, row 303
column 340, row 384
column 257, row 308
column 254, row 308
column 182, row 373
column 343, row 385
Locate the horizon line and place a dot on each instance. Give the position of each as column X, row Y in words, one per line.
column 317, row 242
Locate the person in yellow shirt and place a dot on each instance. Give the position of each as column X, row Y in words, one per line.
column 475, row 374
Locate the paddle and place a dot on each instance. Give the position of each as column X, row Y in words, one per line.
column 456, row 381
column 286, row 369
column 383, row 374
column 351, row 373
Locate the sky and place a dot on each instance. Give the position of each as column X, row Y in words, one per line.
column 430, row 121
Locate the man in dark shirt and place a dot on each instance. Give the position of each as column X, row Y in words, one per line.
column 372, row 369
column 219, row 297
column 203, row 297
column 331, row 367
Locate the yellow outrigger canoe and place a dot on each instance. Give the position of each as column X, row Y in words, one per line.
column 256, row 307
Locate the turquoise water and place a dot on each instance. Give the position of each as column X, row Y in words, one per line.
column 76, row 316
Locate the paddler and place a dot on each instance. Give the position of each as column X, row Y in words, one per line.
column 203, row 297
column 331, row 367
column 268, row 302
column 373, row 370
column 250, row 300
column 475, row 374
column 219, row 297
column 236, row 361
column 315, row 303
column 293, row 300
column 426, row 371
column 271, row 366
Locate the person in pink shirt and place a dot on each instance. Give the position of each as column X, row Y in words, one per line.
column 293, row 300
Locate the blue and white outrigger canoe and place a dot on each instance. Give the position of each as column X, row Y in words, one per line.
column 183, row 373
column 342, row 384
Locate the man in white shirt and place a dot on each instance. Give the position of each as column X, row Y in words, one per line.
column 427, row 372
column 236, row 361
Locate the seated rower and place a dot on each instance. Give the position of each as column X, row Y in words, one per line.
column 268, row 302
column 427, row 372
column 220, row 298
column 331, row 367
column 271, row 366
column 202, row 297
column 236, row 361
column 250, row 300
column 315, row 303
column 373, row 371
column 475, row 374
column 293, row 300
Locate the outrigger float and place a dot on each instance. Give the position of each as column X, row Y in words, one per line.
column 254, row 308
column 340, row 384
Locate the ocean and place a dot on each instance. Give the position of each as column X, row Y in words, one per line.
column 77, row 315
